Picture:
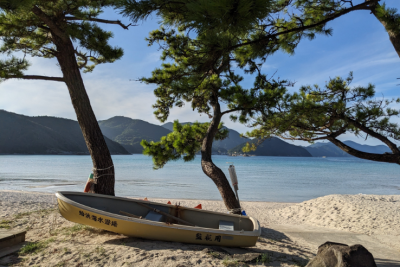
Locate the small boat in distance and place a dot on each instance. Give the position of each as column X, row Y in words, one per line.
column 157, row 221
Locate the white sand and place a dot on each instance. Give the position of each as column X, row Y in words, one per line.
column 375, row 215
column 74, row 245
column 366, row 214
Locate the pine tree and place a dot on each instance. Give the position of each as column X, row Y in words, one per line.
column 390, row 19
column 287, row 19
column 68, row 31
column 203, row 74
column 317, row 113
column 206, row 38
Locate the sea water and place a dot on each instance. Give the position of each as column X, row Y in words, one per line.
column 281, row 179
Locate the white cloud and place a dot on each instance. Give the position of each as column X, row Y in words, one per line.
column 111, row 93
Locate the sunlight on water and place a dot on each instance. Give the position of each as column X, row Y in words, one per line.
column 283, row 179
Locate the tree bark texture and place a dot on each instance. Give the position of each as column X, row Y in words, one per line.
column 394, row 36
column 102, row 162
column 389, row 158
column 211, row 170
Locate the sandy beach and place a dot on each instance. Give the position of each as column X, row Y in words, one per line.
column 62, row 243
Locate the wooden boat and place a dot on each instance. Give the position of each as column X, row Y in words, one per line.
column 139, row 218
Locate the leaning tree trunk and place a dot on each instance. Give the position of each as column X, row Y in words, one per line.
column 389, row 158
column 212, row 171
column 102, row 162
column 394, row 34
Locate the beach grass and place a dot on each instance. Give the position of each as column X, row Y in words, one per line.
column 263, row 258
column 231, row 262
column 5, row 224
column 35, row 247
column 41, row 212
column 55, row 241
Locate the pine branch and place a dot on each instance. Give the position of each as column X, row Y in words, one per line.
column 390, row 158
column 36, row 77
column 53, row 27
column 374, row 134
column 103, row 21
column 84, row 57
column 236, row 109
column 363, row 6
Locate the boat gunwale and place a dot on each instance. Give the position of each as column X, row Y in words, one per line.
column 255, row 232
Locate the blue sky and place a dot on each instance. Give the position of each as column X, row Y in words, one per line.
column 359, row 43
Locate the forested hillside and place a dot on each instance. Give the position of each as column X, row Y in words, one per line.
column 43, row 135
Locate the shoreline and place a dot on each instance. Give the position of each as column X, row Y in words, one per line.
column 155, row 199
column 196, row 199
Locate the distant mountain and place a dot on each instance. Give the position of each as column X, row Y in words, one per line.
column 326, row 150
column 169, row 125
column 273, row 147
column 21, row 134
column 380, row 149
column 330, row 150
column 130, row 132
column 230, row 142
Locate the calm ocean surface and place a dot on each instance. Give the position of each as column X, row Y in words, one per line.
column 282, row 179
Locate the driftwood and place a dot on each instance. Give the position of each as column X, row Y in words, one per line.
column 166, row 214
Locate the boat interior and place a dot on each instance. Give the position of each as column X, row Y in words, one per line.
column 143, row 210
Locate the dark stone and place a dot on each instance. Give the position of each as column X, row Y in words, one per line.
column 332, row 254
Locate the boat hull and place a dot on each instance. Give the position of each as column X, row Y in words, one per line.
column 152, row 230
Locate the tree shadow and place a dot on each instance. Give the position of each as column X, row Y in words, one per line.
column 10, row 259
column 273, row 247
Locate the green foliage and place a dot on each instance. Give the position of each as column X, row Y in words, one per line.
column 34, row 247
column 76, row 228
column 183, row 142
column 315, row 113
column 21, row 30
column 264, row 258
column 390, row 17
column 12, row 67
column 229, row 262
column 202, row 74
column 203, row 15
column 130, row 132
column 5, row 224
column 100, row 250
column 200, row 68
column 205, row 42
column 260, row 27
column 214, row 254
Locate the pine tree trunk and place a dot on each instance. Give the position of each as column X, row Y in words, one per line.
column 102, row 162
column 394, row 36
column 212, row 171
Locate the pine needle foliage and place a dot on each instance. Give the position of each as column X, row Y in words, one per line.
column 21, row 30
column 390, row 17
column 200, row 71
column 206, row 43
column 67, row 31
column 183, row 142
column 257, row 23
column 317, row 113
